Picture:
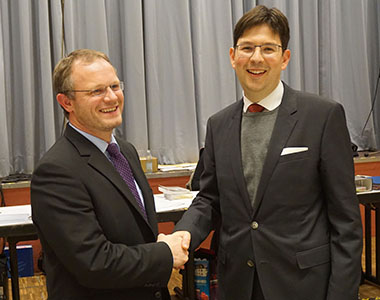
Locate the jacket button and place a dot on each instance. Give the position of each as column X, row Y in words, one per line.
column 250, row 263
column 157, row 295
column 254, row 225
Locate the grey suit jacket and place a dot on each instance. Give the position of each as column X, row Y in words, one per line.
column 303, row 236
column 97, row 244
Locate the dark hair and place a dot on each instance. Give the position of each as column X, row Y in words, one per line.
column 259, row 15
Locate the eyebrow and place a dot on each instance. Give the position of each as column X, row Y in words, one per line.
column 251, row 43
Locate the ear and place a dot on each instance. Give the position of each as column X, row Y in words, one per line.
column 65, row 102
column 285, row 59
column 232, row 57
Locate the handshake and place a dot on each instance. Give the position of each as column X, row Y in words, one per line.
column 179, row 243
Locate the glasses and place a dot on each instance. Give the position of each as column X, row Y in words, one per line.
column 266, row 50
column 102, row 91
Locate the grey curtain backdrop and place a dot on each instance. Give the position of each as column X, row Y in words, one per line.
column 173, row 56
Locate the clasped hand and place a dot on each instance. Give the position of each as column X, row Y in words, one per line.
column 179, row 243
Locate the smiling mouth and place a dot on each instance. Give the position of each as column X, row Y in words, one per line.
column 256, row 72
column 108, row 110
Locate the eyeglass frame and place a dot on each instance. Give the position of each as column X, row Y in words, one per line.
column 102, row 94
column 261, row 49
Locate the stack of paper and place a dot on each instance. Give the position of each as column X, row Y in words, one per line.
column 178, row 167
column 175, row 192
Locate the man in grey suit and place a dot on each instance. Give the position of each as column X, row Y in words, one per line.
column 91, row 202
column 279, row 182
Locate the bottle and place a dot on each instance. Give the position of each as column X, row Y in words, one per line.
column 149, row 162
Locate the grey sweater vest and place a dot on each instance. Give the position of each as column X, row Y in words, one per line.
column 256, row 131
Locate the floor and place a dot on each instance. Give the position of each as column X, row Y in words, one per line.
column 34, row 288
column 368, row 289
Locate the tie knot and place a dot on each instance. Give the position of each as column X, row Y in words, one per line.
column 113, row 149
column 255, row 108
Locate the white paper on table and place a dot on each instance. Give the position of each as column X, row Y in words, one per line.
column 164, row 205
column 178, row 167
column 12, row 215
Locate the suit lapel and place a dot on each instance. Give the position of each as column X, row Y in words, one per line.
column 233, row 140
column 97, row 160
column 285, row 122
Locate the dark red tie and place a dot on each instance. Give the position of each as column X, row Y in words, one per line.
column 255, row 108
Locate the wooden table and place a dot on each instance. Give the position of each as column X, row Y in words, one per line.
column 371, row 202
column 21, row 228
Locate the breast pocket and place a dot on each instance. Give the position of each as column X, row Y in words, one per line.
column 294, row 156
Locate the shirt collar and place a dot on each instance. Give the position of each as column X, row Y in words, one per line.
column 102, row 145
column 270, row 102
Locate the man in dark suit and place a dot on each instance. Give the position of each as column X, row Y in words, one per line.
column 97, row 226
column 280, row 181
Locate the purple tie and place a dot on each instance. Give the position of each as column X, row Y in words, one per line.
column 122, row 166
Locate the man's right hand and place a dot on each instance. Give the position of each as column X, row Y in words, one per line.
column 178, row 243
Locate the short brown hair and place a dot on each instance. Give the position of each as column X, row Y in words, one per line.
column 259, row 15
column 62, row 82
column 62, row 72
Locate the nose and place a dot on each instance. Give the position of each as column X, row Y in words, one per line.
column 110, row 94
column 256, row 55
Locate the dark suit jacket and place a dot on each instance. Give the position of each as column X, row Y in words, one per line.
column 97, row 244
column 303, row 236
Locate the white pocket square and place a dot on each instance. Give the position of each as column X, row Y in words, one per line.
column 292, row 150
